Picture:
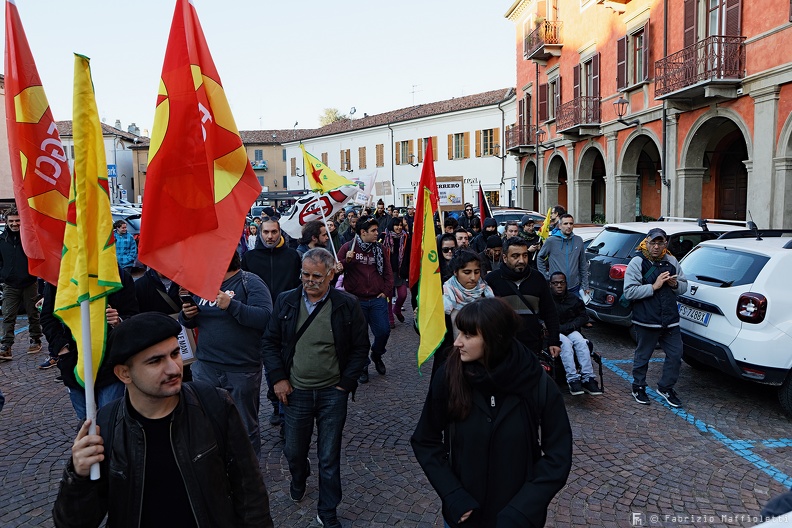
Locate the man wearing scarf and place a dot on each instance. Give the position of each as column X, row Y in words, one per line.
column 652, row 282
column 368, row 276
column 526, row 290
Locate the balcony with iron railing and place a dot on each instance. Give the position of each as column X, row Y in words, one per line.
column 521, row 140
column 545, row 41
column 580, row 116
column 712, row 67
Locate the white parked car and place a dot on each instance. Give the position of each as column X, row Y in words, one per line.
column 737, row 313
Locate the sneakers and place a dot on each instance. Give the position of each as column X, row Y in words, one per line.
column 592, row 387
column 34, row 347
column 58, row 379
column 275, row 418
column 5, row 353
column 670, row 396
column 640, row 395
column 379, row 365
column 297, row 493
column 329, row 520
column 575, row 387
column 363, row 376
column 49, row 363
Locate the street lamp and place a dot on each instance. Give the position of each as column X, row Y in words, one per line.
column 621, row 109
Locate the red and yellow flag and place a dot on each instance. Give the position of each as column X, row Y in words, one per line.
column 321, row 177
column 200, row 182
column 39, row 166
column 89, row 270
column 425, row 266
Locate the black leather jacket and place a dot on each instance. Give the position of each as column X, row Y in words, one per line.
column 350, row 334
column 221, row 475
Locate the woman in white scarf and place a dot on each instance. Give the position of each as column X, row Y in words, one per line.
column 465, row 285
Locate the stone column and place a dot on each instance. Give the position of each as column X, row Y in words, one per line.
column 582, row 203
column 782, row 194
column 689, row 190
column 761, row 200
column 670, row 170
column 613, row 196
column 572, row 177
column 626, row 188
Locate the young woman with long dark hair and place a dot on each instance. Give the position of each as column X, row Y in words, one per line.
column 396, row 242
column 494, row 438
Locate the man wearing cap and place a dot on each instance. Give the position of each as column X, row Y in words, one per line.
column 410, row 217
column 314, row 348
column 479, row 242
column 652, row 282
column 563, row 251
column 491, row 257
column 170, row 454
column 530, row 235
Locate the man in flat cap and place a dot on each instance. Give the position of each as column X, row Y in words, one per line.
column 652, row 282
column 170, row 454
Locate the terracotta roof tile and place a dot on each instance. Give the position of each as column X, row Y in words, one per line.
column 65, row 129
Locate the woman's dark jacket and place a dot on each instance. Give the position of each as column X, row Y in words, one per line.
column 495, row 466
column 350, row 334
column 221, row 475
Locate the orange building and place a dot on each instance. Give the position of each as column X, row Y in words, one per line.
column 598, row 79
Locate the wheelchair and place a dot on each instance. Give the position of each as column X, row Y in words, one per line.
column 555, row 367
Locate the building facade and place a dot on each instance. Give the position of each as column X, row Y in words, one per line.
column 467, row 135
column 631, row 109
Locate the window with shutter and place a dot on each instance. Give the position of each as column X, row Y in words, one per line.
column 689, row 22
column 521, row 111
column 497, row 140
column 732, row 18
column 434, row 147
column 293, row 167
column 397, row 151
column 411, row 151
column 645, row 55
column 450, row 146
column 361, row 157
column 466, row 144
column 595, row 76
column 542, row 102
column 478, row 143
column 380, row 151
column 621, row 63
column 324, row 158
column 576, row 82
column 420, row 150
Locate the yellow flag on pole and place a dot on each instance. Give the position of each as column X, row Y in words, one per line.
column 320, row 177
column 89, row 269
column 544, row 232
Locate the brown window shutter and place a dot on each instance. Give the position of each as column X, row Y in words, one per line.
column 450, row 146
column 467, row 144
column 595, row 76
column 380, row 155
column 397, row 150
column 689, row 22
column 521, row 111
column 542, row 102
column 362, row 157
column 294, row 166
column 341, row 157
column 621, row 63
column 420, row 150
column 528, row 112
column 646, row 48
column 576, row 82
column 324, row 158
column 498, row 140
column 558, row 99
column 434, row 148
column 410, row 151
column 732, row 24
column 478, row 143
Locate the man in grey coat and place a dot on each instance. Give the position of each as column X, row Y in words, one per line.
column 652, row 282
column 563, row 251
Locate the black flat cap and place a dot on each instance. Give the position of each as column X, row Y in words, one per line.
column 494, row 241
column 138, row 333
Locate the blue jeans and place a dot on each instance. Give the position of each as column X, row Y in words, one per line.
column 245, row 390
column 574, row 345
column 376, row 313
column 103, row 396
column 328, row 407
column 671, row 341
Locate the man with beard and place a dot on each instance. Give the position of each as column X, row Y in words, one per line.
column 171, row 454
column 491, row 257
column 314, row 234
column 527, row 292
column 479, row 242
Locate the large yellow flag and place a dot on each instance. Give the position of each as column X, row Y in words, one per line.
column 544, row 232
column 320, row 176
column 89, row 270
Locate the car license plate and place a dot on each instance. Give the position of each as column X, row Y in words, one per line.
column 691, row 314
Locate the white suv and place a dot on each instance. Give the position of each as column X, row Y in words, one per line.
column 737, row 313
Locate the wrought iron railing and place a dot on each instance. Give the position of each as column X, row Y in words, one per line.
column 716, row 57
column 580, row 111
column 520, row 135
column 547, row 32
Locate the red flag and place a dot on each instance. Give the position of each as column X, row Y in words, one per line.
column 484, row 208
column 39, row 166
column 200, row 182
column 428, row 182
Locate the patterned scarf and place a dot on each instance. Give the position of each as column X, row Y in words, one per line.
column 645, row 250
column 455, row 296
column 392, row 239
column 376, row 247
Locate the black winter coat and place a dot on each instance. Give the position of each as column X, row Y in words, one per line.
column 13, row 261
column 350, row 334
column 495, row 465
column 571, row 313
column 221, row 475
column 278, row 267
column 147, row 291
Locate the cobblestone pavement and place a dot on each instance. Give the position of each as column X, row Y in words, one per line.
column 713, row 464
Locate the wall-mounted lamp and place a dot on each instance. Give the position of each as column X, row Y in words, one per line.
column 621, row 109
column 496, row 151
column 410, row 160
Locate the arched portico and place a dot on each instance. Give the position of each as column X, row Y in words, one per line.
column 638, row 182
column 590, row 185
column 554, row 192
column 529, row 196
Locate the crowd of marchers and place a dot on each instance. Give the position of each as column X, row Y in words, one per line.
column 178, row 444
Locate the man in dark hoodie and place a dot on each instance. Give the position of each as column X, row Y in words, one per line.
column 19, row 287
column 479, row 242
column 571, row 318
column 229, row 345
column 526, row 291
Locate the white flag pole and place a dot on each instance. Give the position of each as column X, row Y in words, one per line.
column 88, row 376
column 324, row 219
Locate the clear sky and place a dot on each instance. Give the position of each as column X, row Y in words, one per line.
column 279, row 62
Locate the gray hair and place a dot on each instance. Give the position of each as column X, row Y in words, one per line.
column 320, row 255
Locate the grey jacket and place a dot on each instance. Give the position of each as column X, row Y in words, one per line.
column 656, row 309
column 565, row 254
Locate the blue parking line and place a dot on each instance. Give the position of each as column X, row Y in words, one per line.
column 20, row 330
column 651, row 360
column 743, row 448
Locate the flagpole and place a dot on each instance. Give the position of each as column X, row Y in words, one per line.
column 87, row 353
column 324, row 219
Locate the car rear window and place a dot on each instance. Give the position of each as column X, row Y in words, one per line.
column 723, row 267
column 615, row 243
